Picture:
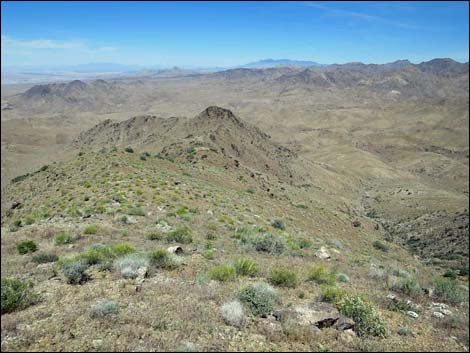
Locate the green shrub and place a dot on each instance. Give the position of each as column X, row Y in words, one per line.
column 90, row 229
column 223, row 273
column 16, row 295
column 121, row 249
column 450, row 274
column 449, row 291
column 26, row 246
column 129, row 149
column 332, row 294
column 342, row 277
column 62, row 239
column 136, row 211
column 104, row 308
column 260, row 298
column 264, row 242
column 74, row 271
column 283, row 277
column 208, row 254
column 180, row 235
column 161, row 258
column 45, row 258
column 408, row 286
column 380, row 246
column 321, row 275
column 129, row 264
column 278, row 224
column 365, row 315
column 245, row 266
column 154, row 236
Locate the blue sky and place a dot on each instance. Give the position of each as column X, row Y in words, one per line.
column 231, row 33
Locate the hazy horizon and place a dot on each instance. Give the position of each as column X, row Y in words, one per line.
column 230, row 34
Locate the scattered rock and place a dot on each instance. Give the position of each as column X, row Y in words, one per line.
column 344, row 323
column 320, row 315
column 175, row 250
column 412, row 314
column 438, row 315
column 323, row 253
column 97, row 344
column 16, row 204
column 356, row 224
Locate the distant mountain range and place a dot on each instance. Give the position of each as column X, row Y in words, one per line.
column 267, row 63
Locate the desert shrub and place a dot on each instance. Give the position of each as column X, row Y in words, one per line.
column 161, row 258
column 180, row 235
column 321, row 275
column 379, row 274
column 104, row 308
column 245, row 266
column 16, row 295
column 380, row 246
column 450, row 274
column 365, row 315
column 153, row 236
column 62, row 239
column 129, row 149
column 90, row 229
column 45, row 258
column 400, row 305
column 74, row 271
column 260, row 298
column 128, row 265
column 278, row 224
column 208, row 254
column 121, row 249
column 408, row 286
column 26, row 246
column 223, row 273
column 264, row 242
column 332, row 294
column 449, row 291
column 136, row 211
column 232, row 313
column 283, row 277
column 342, row 277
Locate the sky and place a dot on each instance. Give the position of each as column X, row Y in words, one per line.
column 224, row 34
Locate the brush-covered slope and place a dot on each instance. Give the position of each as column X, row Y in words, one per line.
column 98, row 206
column 216, row 133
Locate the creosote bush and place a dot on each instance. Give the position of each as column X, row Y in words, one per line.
column 260, row 298
column 161, row 258
column 321, row 275
column 449, row 291
column 245, row 266
column 408, row 286
column 26, row 246
column 283, row 277
column 16, row 295
column 62, row 238
column 223, row 273
column 365, row 315
column 90, row 229
column 180, row 235
column 332, row 294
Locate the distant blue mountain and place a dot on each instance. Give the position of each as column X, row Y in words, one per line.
column 267, row 63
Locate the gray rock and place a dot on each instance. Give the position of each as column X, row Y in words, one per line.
column 320, row 315
column 438, row 315
column 412, row 314
column 322, row 253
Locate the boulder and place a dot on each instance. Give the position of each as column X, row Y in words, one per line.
column 320, row 315
column 322, row 253
column 175, row 250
